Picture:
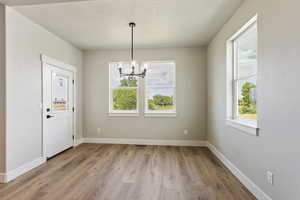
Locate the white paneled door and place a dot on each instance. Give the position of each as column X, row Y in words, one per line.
column 58, row 113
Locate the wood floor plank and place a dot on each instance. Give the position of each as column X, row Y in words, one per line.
column 128, row 172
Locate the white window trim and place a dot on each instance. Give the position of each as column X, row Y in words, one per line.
column 244, row 125
column 172, row 113
column 163, row 115
column 122, row 113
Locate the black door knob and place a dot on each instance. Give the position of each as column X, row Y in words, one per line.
column 49, row 116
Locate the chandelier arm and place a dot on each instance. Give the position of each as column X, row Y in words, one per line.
column 123, row 74
column 132, row 74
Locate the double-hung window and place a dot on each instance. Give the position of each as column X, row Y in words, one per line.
column 123, row 93
column 160, row 89
column 242, row 78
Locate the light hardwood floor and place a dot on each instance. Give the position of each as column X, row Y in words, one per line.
column 128, row 172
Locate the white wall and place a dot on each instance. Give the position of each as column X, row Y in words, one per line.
column 25, row 42
column 190, row 98
column 2, row 88
column 277, row 148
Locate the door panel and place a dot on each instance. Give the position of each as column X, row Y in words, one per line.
column 58, row 114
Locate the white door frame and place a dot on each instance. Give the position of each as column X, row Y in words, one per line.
column 47, row 60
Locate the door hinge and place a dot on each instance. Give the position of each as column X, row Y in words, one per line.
column 73, row 137
column 73, row 109
column 73, row 81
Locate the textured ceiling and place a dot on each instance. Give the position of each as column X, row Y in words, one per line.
column 103, row 24
column 33, row 2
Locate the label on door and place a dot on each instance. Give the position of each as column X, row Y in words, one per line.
column 59, row 92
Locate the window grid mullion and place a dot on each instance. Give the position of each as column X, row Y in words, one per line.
column 124, row 88
column 160, row 86
column 245, row 77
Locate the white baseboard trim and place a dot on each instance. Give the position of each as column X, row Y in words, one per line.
column 197, row 143
column 78, row 142
column 11, row 175
column 247, row 182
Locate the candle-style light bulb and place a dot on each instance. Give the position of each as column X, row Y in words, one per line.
column 133, row 63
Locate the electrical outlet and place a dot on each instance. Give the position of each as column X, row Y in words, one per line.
column 270, row 177
column 98, row 130
column 185, row 132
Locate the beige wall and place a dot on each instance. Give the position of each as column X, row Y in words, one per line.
column 2, row 88
column 277, row 148
column 25, row 42
column 190, row 66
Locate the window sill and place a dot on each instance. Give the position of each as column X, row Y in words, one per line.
column 171, row 115
column 123, row 114
column 245, row 126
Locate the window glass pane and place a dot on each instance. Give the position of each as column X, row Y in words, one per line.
column 247, row 98
column 59, row 92
column 160, row 74
column 160, row 99
column 124, row 99
column 116, row 80
column 246, row 45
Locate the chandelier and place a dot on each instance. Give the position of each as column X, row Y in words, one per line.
column 132, row 75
